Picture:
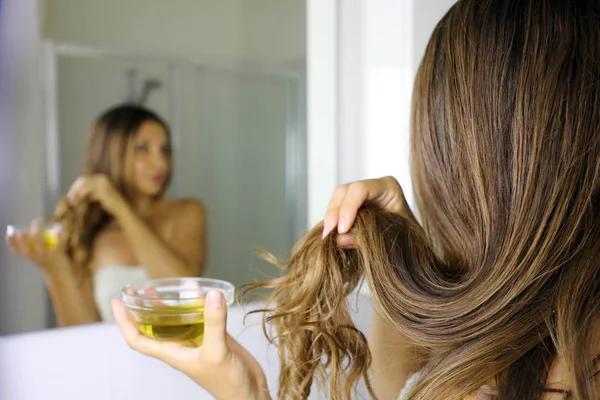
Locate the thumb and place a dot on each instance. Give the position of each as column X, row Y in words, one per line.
column 215, row 326
column 61, row 236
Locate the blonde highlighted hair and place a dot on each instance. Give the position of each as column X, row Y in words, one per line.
column 503, row 274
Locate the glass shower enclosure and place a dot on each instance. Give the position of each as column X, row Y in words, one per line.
column 238, row 135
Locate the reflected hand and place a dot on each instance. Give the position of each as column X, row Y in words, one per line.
column 347, row 199
column 31, row 246
column 221, row 365
column 97, row 187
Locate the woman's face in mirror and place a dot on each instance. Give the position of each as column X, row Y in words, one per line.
column 148, row 160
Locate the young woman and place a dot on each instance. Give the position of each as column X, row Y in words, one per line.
column 118, row 226
column 496, row 292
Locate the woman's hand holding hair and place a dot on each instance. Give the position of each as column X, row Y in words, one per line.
column 389, row 369
column 99, row 188
column 348, row 198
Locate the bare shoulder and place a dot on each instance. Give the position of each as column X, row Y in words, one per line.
column 183, row 217
column 189, row 209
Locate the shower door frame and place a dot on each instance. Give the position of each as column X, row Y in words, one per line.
column 296, row 168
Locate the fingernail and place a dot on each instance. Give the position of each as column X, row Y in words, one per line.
column 343, row 225
column 327, row 229
column 11, row 231
column 57, row 227
column 345, row 240
column 481, row 393
column 214, row 300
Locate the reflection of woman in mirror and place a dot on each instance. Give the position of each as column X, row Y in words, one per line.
column 118, row 226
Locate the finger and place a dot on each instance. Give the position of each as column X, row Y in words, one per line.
column 333, row 209
column 215, row 346
column 129, row 291
column 151, row 293
column 174, row 354
column 355, row 197
column 62, row 236
column 11, row 239
column 147, row 293
column 248, row 358
column 191, row 289
column 192, row 294
column 35, row 236
column 22, row 243
column 346, row 240
column 132, row 336
column 79, row 190
column 358, row 193
column 11, row 230
column 74, row 189
column 12, row 245
column 392, row 197
column 83, row 193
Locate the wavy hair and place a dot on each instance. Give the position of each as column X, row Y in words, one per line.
column 503, row 274
column 105, row 153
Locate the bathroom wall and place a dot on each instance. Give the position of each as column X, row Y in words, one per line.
column 22, row 294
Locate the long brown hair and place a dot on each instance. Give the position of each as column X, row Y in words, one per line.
column 503, row 275
column 105, row 153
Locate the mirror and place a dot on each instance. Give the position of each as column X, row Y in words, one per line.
column 228, row 78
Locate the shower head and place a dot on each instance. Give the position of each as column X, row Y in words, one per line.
column 150, row 85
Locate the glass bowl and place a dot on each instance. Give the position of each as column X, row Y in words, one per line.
column 50, row 234
column 172, row 309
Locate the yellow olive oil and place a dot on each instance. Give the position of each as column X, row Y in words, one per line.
column 180, row 323
column 49, row 240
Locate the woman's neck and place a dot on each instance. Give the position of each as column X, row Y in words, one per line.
column 143, row 205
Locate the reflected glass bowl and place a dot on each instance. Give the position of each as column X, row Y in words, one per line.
column 50, row 235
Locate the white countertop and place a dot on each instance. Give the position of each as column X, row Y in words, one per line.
column 93, row 362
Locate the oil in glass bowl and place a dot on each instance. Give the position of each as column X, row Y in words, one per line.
column 172, row 309
column 50, row 236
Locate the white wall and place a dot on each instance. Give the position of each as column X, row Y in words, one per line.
column 381, row 45
column 322, row 105
column 426, row 16
column 228, row 30
column 22, row 295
